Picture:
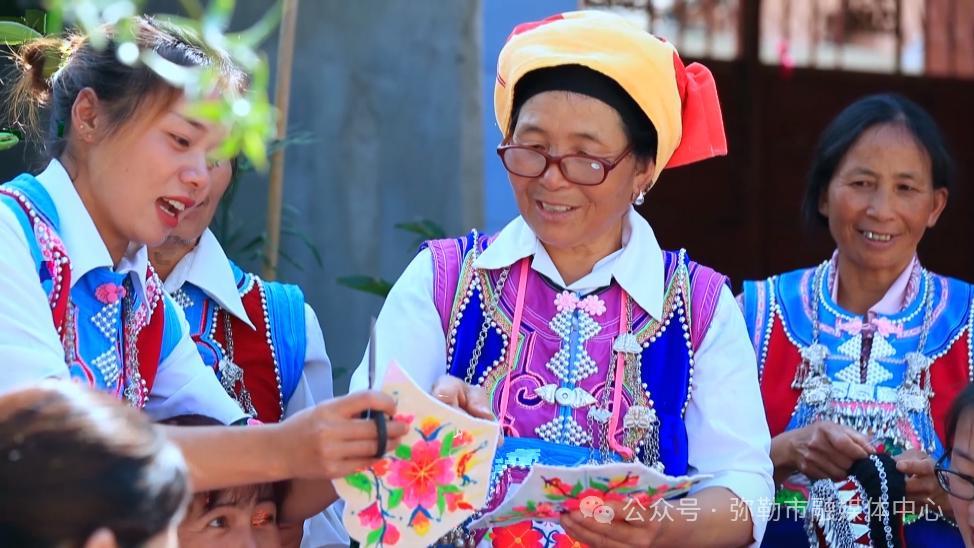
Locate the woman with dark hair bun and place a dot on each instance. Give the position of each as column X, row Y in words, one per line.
column 79, row 469
column 862, row 354
column 128, row 159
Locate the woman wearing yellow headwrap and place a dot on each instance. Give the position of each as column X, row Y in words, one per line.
column 571, row 325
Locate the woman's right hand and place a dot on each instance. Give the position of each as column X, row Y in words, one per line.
column 821, row 450
column 330, row 440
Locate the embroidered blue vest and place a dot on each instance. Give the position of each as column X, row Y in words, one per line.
column 271, row 354
column 90, row 320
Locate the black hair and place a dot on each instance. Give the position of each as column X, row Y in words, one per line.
column 50, row 72
column 276, row 491
column 73, row 461
column 963, row 403
column 639, row 130
column 843, row 132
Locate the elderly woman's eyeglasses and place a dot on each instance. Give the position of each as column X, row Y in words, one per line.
column 580, row 169
column 954, row 483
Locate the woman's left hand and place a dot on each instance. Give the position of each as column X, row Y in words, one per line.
column 456, row 393
column 625, row 526
column 922, row 487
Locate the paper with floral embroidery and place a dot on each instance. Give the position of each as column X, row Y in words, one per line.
column 548, row 491
column 431, row 482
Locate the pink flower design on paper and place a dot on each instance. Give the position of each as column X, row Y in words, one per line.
column 573, row 503
column 381, row 467
column 371, row 517
column 109, row 293
column 404, row 418
column 566, row 301
column 422, row 474
column 391, row 536
column 541, row 510
column 593, row 305
column 462, row 438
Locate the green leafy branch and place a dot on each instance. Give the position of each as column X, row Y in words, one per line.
column 247, row 113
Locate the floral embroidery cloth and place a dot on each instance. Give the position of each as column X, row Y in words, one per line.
column 431, row 482
column 548, row 491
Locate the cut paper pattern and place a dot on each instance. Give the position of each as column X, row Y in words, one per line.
column 428, row 484
column 548, row 491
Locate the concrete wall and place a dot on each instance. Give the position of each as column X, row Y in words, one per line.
column 499, row 18
column 390, row 93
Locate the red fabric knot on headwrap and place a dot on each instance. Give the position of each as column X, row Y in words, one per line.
column 703, row 124
column 681, row 102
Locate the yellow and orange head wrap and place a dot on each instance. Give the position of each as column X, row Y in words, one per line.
column 681, row 102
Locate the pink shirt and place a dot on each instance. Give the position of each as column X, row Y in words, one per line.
column 896, row 297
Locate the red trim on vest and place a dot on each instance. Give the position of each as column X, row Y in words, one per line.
column 948, row 376
column 781, row 363
column 252, row 352
column 60, row 296
column 149, row 341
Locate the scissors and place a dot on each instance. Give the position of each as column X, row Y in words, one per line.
column 377, row 416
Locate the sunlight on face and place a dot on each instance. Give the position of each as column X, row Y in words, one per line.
column 231, row 518
column 563, row 214
column 146, row 175
column 881, row 200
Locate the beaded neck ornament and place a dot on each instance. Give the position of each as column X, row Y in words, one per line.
column 861, row 411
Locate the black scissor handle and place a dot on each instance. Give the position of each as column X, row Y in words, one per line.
column 380, row 425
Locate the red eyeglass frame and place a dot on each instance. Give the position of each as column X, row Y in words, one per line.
column 607, row 165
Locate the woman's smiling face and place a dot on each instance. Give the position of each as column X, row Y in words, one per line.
column 563, row 214
column 881, row 199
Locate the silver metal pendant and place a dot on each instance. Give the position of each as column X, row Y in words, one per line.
column 815, row 354
column 912, row 398
column 641, row 417
column 571, row 397
column 627, row 344
column 816, row 390
column 230, row 374
column 599, row 414
column 916, row 363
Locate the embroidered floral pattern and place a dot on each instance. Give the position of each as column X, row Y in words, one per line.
column 593, row 305
column 566, row 301
column 560, row 497
column 425, row 478
column 558, row 494
column 564, row 541
column 109, row 293
column 521, row 534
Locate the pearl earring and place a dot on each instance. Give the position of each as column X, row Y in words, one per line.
column 640, row 199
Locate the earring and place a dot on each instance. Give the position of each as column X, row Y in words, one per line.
column 640, row 199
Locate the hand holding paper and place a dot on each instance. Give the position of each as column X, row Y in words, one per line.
column 429, row 483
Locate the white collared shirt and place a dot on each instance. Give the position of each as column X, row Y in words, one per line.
column 725, row 421
column 208, row 268
column 29, row 343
